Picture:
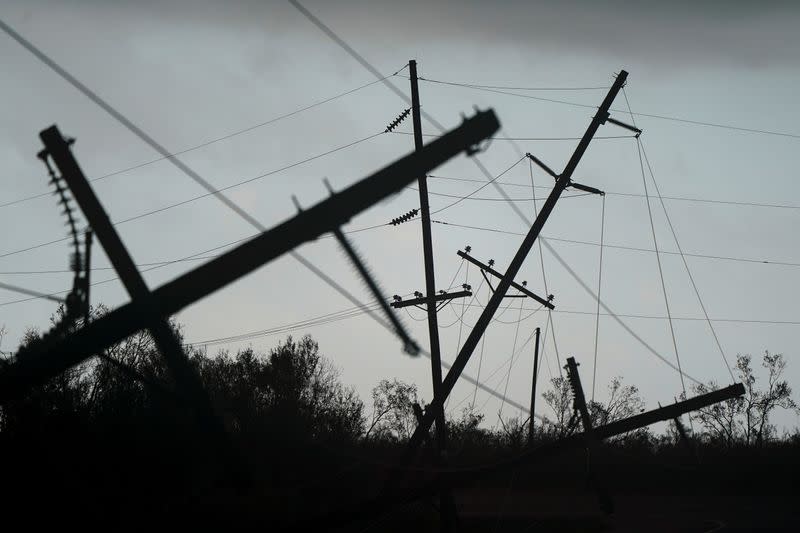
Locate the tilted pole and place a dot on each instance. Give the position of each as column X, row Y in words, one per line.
column 186, row 378
column 427, row 250
column 430, row 295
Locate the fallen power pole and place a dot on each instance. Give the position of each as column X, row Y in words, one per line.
column 394, row 496
column 581, row 408
column 37, row 363
column 187, row 380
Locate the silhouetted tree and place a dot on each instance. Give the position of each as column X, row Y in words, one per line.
column 559, row 399
column 623, row 401
column 393, row 416
column 745, row 418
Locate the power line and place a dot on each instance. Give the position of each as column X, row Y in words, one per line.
column 603, row 137
column 686, row 265
column 29, row 292
column 207, row 143
column 621, row 247
column 635, row 195
column 661, row 272
column 599, row 286
column 211, row 192
column 356, row 311
column 479, row 86
column 462, row 198
column 648, row 115
column 154, row 265
column 485, row 199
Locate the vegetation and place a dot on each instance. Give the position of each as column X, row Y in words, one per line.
column 117, row 423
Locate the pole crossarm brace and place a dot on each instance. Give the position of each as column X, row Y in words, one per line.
column 547, row 302
column 397, row 304
column 628, row 127
column 38, row 364
column 516, row 263
column 573, row 184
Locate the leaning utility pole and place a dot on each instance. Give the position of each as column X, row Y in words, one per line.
column 430, row 297
column 427, row 249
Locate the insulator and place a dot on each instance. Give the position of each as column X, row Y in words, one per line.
column 400, row 118
column 405, row 218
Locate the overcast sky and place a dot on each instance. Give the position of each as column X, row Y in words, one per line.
column 191, row 72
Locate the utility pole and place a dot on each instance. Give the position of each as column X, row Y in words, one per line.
column 563, row 181
column 448, row 508
column 533, row 385
column 186, row 378
column 588, row 431
column 427, row 250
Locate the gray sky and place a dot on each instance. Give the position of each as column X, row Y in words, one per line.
column 190, row 72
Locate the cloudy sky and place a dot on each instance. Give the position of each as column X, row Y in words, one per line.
column 193, row 72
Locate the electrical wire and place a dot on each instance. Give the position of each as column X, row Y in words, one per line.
column 513, row 348
column 599, row 286
column 211, row 192
column 648, row 115
column 661, row 272
column 198, row 256
column 621, row 247
column 480, row 86
column 686, row 266
column 29, row 292
column 599, row 137
column 634, row 195
column 461, row 199
column 485, row 199
column 541, row 261
column 210, row 142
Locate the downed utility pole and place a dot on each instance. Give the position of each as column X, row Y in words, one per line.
column 588, row 431
column 562, row 183
column 379, row 505
column 38, row 363
column 187, row 380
